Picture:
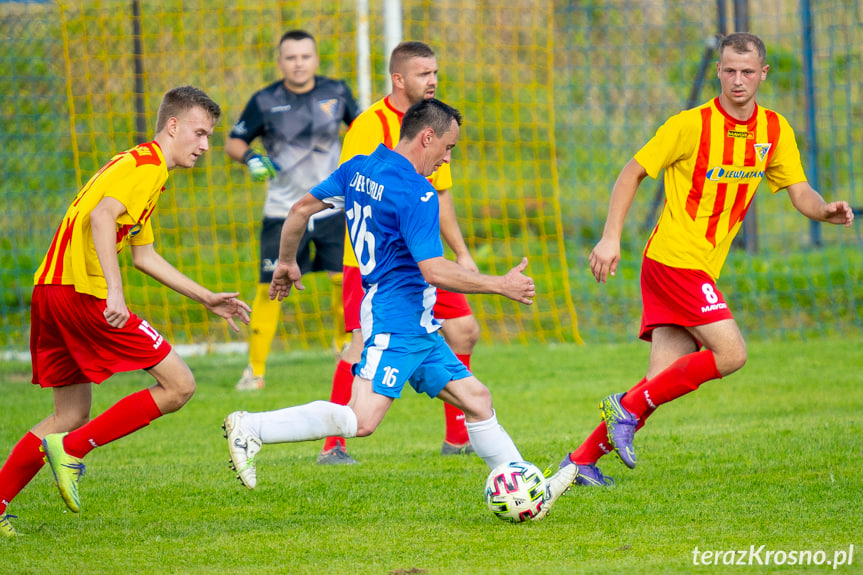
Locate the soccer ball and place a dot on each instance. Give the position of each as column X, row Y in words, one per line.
column 515, row 491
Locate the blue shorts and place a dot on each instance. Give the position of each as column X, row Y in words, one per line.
column 425, row 361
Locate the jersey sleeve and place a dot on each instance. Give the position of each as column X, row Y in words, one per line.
column 332, row 190
column 251, row 122
column 785, row 167
column 131, row 182
column 362, row 138
column 145, row 236
column 420, row 227
column 667, row 146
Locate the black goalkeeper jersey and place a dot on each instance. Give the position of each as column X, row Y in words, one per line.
column 300, row 133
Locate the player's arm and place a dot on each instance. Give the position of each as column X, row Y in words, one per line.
column 606, row 254
column 451, row 232
column 448, row 275
column 236, row 148
column 811, row 204
column 261, row 167
column 103, row 223
column 249, row 127
column 287, row 272
column 352, row 110
column 223, row 304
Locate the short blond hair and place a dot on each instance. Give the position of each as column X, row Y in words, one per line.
column 178, row 101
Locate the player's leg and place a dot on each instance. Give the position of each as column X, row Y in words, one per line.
column 442, row 375
column 71, row 410
column 263, row 322
column 97, row 351
column 248, row 432
column 678, row 368
column 52, row 366
column 676, row 301
column 489, row 439
column 174, row 386
column 491, row 442
column 461, row 331
column 264, row 319
column 334, row 451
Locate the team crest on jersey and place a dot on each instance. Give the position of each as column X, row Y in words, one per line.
column 240, row 128
column 761, row 150
column 329, row 106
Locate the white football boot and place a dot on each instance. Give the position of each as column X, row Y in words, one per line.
column 557, row 485
column 243, row 446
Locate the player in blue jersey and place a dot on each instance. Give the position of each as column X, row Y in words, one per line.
column 393, row 222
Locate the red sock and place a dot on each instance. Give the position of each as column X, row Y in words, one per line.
column 343, row 381
column 23, row 464
column 595, row 446
column 456, row 432
column 127, row 415
column 681, row 377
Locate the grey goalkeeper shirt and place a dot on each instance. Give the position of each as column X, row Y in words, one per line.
column 300, row 133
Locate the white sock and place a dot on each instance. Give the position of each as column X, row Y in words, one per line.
column 491, row 442
column 315, row 420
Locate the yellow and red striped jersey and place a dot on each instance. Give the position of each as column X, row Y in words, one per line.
column 380, row 124
column 135, row 178
column 713, row 164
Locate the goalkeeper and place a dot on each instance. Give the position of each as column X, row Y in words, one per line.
column 298, row 121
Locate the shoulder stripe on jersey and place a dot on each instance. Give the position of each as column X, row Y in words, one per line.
column 727, row 141
column 749, row 155
column 59, row 245
column 388, row 137
column 701, row 165
column 740, row 207
column 713, row 220
column 773, row 130
column 151, row 158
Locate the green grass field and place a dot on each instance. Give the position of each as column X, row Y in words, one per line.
column 771, row 457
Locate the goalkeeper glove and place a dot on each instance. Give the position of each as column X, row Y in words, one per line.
column 261, row 167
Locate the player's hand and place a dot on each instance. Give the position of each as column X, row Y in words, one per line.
column 116, row 311
column 285, row 276
column 466, row 261
column 517, row 286
column 261, row 167
column 604, row 259
column 227, row 306
column 839, row 213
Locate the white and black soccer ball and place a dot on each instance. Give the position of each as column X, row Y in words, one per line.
column 515, row 491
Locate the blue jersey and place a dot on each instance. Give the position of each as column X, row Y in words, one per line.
column 393, row 219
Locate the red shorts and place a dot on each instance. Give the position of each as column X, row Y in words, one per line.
column 449, row 305
column 71, row 342
column 352, row 297
column 681, row 297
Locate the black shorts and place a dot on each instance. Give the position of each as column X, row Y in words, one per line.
column 328, row 238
